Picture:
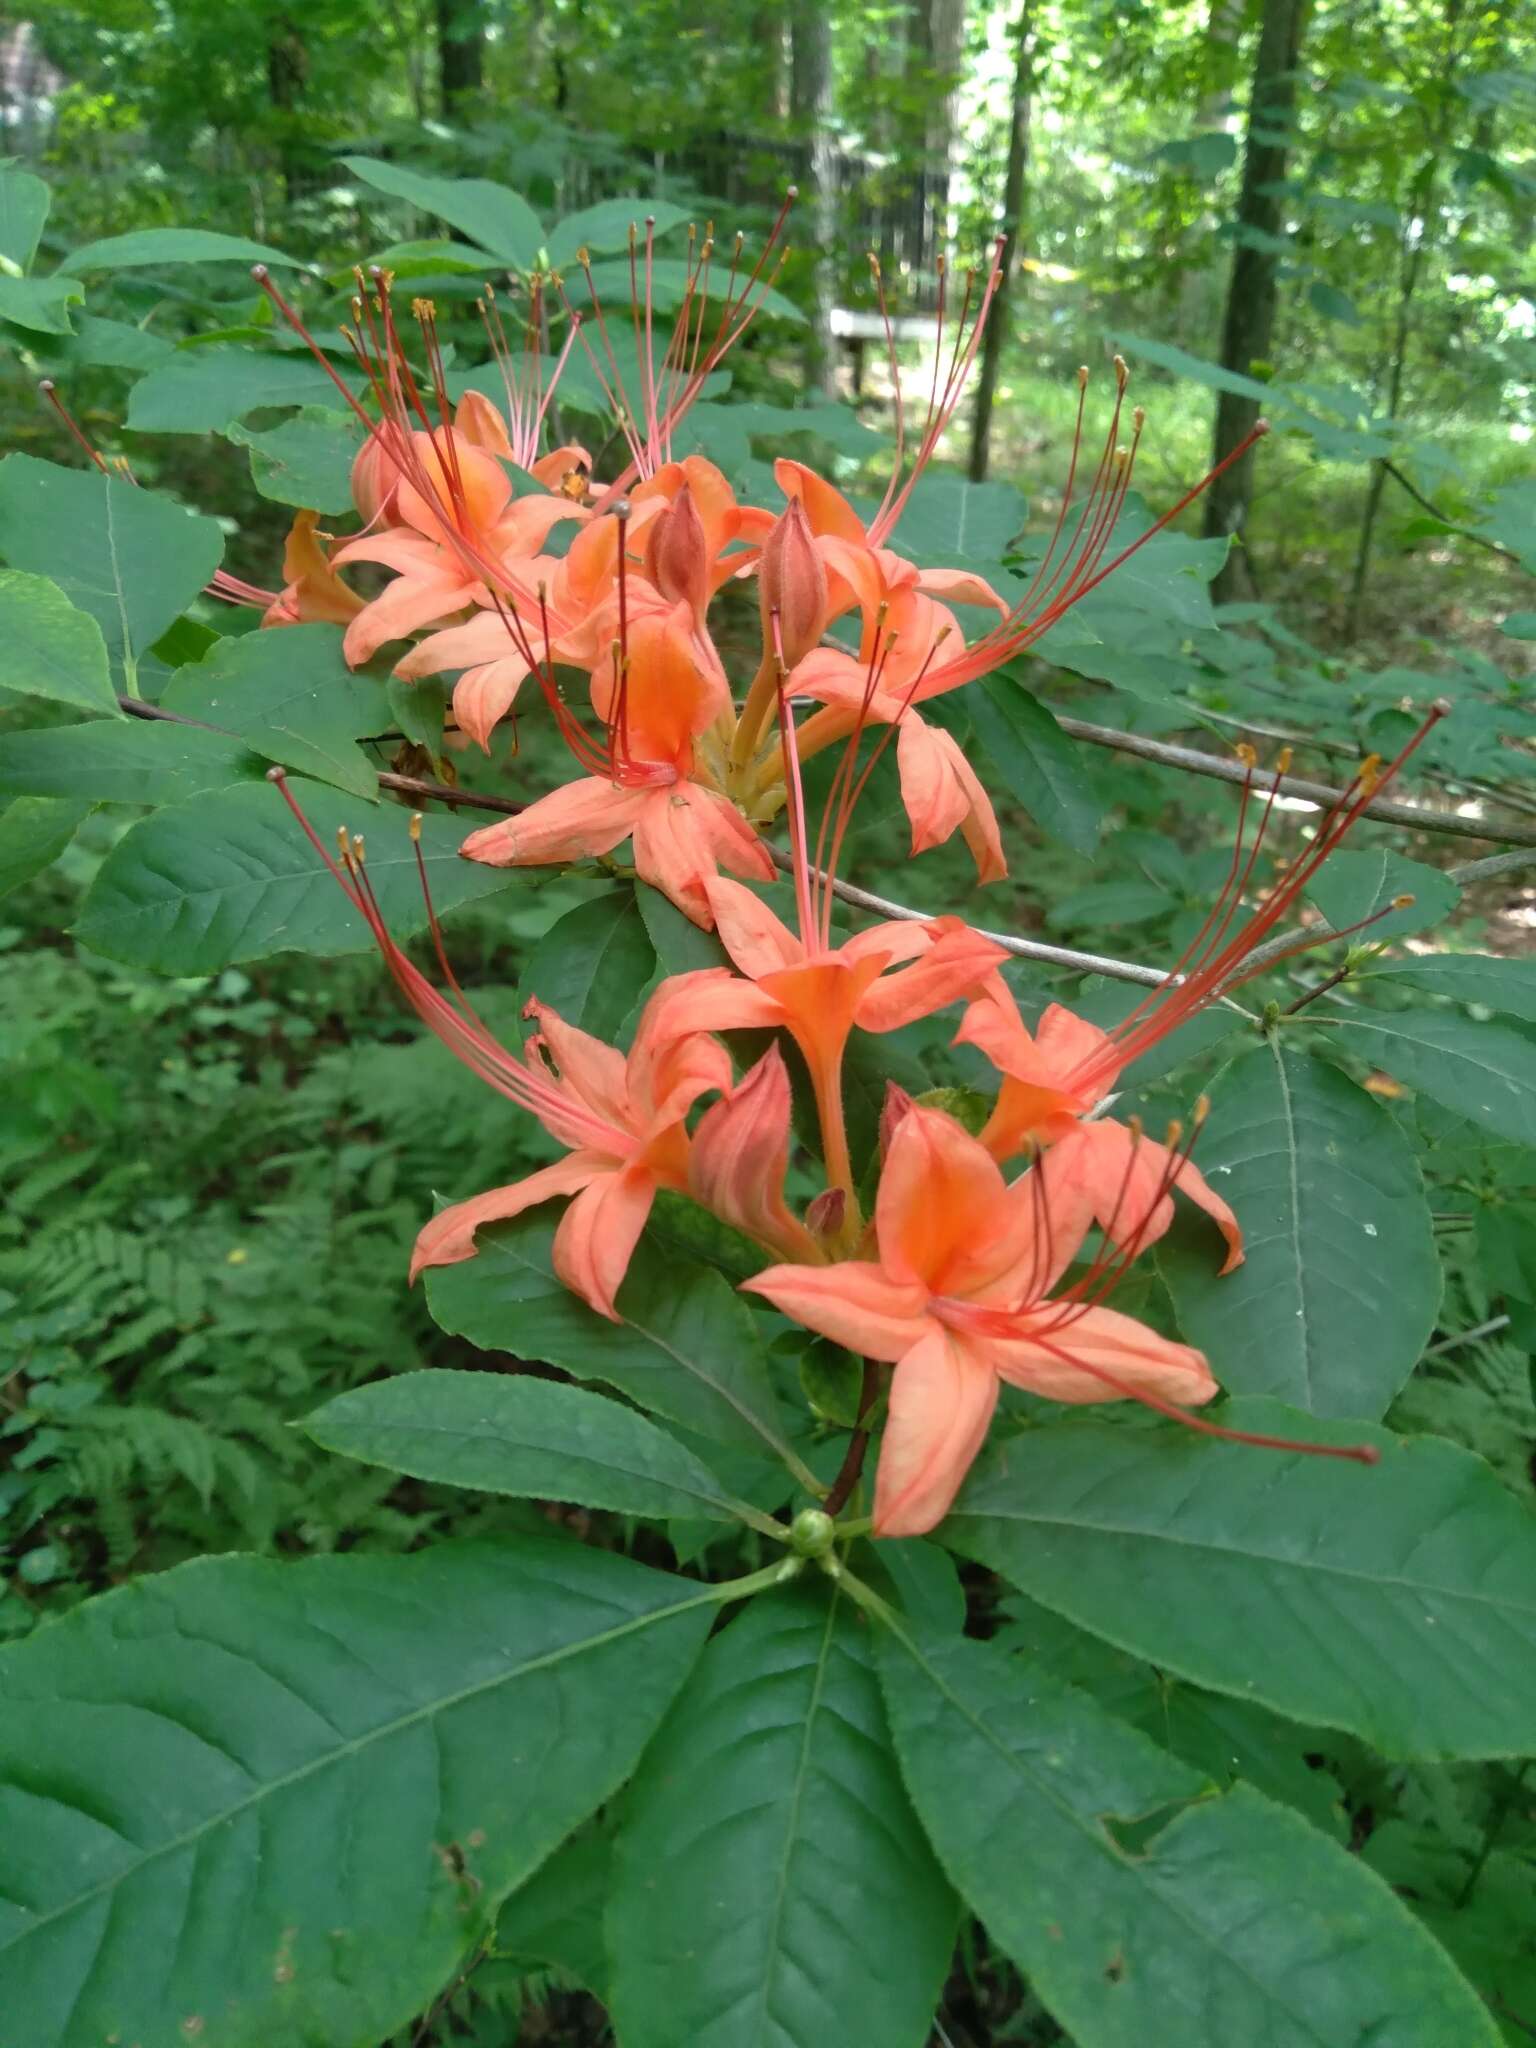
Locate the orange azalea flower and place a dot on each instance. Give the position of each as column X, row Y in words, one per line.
column 312, row 591
column 819, row 993
column 659, row 702
column 739, row 1158
column 959, row 1297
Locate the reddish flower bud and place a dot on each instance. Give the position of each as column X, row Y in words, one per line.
column 824, row 1215
column 892, row 1110
column 792, row 584
column 677, row 555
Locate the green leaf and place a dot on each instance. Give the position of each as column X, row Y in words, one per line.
column 1338, row 1294
column 1488, row 979
column 492, row 216
column 1333, row 304
column 771, row 1884
column 1397, row 1601
column 113, row 345
column 124, row 763
column 670, row 278
column 34, row 831
column 1484, row 1072
column 606, row 227
column 555, row 1920
column 229, row 876
column 534, row 1439
column 147, row 248
column 687, row 1346
column 1352, row 886
column 1179, row 363
column 951, row 521
column 24, row 203
column 209, row 390
column 592, row 964
column 290, row 696
column 129, row 557
column 281, row 1802
column 305, row 461
column 1036, row 762
column 681, row 947
column 40, row 303
column 50, row 648
column 1141, row 1908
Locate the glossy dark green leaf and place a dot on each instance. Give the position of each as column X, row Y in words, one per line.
column 1141, row 1908
column 40, row 304
column 1484, row 1072
column 1395, row 1600
column 497, row 219
column 510, row 1433
column 1489, row 979
column 1030, row 755
column 125, row 762
column 34, row 831
column 129, row 557
column 264, row 1802
column 950, row 521
column 680, row 945
column 290, row 696
column 555, row 1920
column 592, row 964
column 1340, row 1287
column 771, row 1885
column 49, row 647
column 687, row 1346
column 229, row 876
column 24, row 203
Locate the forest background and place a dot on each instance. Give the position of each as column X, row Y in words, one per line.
column 1322, row 213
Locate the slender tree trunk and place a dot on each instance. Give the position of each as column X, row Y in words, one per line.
column 811, row 96
column 460, row 53
column 1253, row 293
column 1223, row 34
column 935, row 53
column 1013, row 229
column 287, row 72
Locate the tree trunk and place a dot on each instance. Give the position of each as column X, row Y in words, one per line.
column 1253, row 293
column 811, row 99
column 1013, row 230
column 935, row 54
column 1223, row 34
column 287, row 73
column 460, row 54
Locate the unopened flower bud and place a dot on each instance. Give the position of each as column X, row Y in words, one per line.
column 812, row 1533
column 792, row 587
column 892, row 1110
column 677, row 555
column 824, row 1215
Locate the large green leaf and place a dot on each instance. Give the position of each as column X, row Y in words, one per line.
column 207, row 390
column 1497, row 983
column 494, row 217
column 670, row 279
column 1398, row 1601
column 149, row 247
column 1340, row 1287
column 49, row 647
column 592, row 964
column 132, row 559
column 34, row 831
column 555, row 1920
column 510, row 1433
column 24, row 203
column 306, row 460
column 125, row 763
column 687, row 1346
column 229, row 876
column 950, row 521
column 1035, row 761
column 291, row 697
column 1363, row 882
column 268, row 1803
column 605, row 227
column 40, row 303
column 1142, row 1909
column 1180, row 363
column 771, row 1886
column 1484, row 1072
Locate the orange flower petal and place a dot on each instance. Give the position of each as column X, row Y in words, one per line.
column 942, row 1401
column 1100, row 1355
column 598, row 1234
column 854, row 1302
column 450, row 1237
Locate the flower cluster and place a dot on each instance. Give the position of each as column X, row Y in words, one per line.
column 928, row 1258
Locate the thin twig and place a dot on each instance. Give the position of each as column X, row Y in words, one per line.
column 1415, row 816
column 1489, row 1329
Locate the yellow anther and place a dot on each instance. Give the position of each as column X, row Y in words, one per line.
column 1082, row 376
column 1402, row 903
column 1247, row 753
column 1174, row 1134
column 1122, row 372
column 1283, row 761
column 1202, row 1110
column 416, row 827
column 1139, row 418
